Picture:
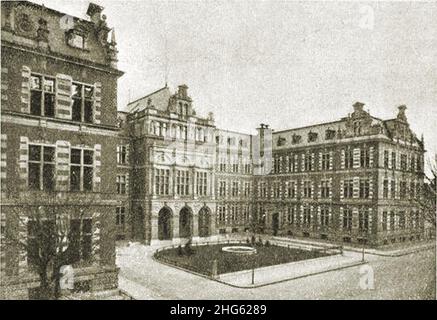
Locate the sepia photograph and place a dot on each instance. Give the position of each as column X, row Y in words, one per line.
column 240, row 150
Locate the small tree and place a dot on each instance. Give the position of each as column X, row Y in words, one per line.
column 53, row 225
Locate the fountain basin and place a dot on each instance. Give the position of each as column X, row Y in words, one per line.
column 241, row 250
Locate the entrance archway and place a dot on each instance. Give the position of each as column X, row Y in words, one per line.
column 204, row 222
column 185, row 222
column 165, row 231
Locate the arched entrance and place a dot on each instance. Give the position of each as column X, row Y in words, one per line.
column 185, row 222
column 165, row 231
column 204, row 222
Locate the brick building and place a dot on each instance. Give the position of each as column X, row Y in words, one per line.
column 159, row 172
column 59, row 134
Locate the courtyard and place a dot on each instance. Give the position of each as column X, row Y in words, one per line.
column 410, row 276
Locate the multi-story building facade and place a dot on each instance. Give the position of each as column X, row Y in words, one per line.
column 59, row 134
column 352, row 180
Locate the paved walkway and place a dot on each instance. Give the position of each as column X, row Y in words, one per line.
column 289, row 271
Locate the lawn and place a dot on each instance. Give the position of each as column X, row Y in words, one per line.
column 201, row 260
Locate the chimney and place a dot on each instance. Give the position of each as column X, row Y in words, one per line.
column 182, row 90
column 94, row 12
column 358, row 106
column 401, row 113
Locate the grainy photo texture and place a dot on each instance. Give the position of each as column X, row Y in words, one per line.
column 213, row 150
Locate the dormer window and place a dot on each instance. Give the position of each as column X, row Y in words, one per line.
column 296, row 139
column 329, row 134
column 357, row 128
column 281, row 141
column 312, row 136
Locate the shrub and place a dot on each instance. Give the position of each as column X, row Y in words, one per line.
column 260, row 242
column 267, row 244
column 180, row 251
column 253, row 240
column 188, row 250
column 247, row 240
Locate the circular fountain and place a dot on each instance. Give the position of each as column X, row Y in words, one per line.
column 241, row 250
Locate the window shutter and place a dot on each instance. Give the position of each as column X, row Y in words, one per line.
column 64, row 101
column 356, row 188
column 319, row 216
column 330, row 188
column 356, row 154
column 4, row 87
column 371, row 155
column 341, row 189
column 371, row 188
column 97, row 102
column 319, row 191
column 3, row 162
column 390, row 158
column 25, row 89
column 320, row 161
column 303, row 162
column 355, row 218
column 62, row 165
column 127, row 153
column 22, row 235
column 95, row 244
column 312, row 161
column 331, row 159
column 370, row 218
column 22, row 162
column 97, row 165
column 340, row 223
column 343, row 158
column 127, row 183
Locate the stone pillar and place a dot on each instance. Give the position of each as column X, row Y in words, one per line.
column 195, row 226
column 175, row 226
column 154, row 228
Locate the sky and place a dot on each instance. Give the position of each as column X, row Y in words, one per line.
column 284, row 63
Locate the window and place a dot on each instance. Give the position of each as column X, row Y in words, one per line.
column 324, row 188
column 42, row 96
column 291, row 215
column 347, row 219
column 235, row 167
column 121, row 184
column 385, row 158
column 365, row 158
column 385, row 189
column 392, row 220
column 363, row 220
column 41, row 167
column 276, row 189
column 403, row 189
column 201, row 179
column 364, row 188
column 384, row 221
column 182, row 182
column 348, row 188
column 357, row 128
column 263, row 189
column 393, row 189
column 122, row 154
column 403, row 162
column 81, row 170
column 120, row 217
column 40, row 240
column 162, row 181
column 393, row 160
column 276, row 164
column 234, row 188
column 246, row 189
column 402, row 223
column 348, row 159
column 307, row 189
column 412, row 190
column 76, row 40
column 80, row 239
column 324, row 217
column 308, row 162
column 326, row 159
column 291, row 164
column 292, row 189
column 82, row 109
column 307, row 217
column 413, row 163
column 222, row 188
